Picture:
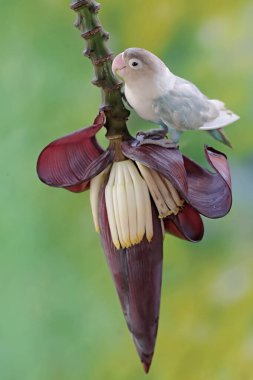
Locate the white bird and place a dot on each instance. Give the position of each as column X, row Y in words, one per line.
column 174, row 103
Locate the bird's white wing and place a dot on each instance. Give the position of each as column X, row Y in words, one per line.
column 184, row 107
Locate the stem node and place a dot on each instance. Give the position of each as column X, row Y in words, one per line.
column 87, row 35
column 93, row 6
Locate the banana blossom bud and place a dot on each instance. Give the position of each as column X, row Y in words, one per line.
column 136, row 197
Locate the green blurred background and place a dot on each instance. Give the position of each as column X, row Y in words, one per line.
column 60, row 318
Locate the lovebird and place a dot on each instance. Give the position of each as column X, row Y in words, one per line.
column 159, row 96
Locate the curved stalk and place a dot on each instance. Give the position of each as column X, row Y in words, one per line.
column 101, row 57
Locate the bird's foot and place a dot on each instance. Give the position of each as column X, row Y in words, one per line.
column 154, row 134
column 155, row 137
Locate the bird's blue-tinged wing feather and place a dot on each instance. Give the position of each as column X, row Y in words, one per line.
column 184, row 107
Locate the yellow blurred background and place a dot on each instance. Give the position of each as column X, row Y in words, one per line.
column 60, row 318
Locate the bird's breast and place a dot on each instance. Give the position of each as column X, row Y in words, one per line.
column 142, row 103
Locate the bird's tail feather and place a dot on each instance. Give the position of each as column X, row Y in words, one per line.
column 220, row 136
column 225, row 118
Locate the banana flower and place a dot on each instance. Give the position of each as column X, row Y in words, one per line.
column 138, row 191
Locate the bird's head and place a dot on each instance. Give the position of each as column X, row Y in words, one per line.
column 135, row 64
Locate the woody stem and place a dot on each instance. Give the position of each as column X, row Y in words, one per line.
column 101, row 57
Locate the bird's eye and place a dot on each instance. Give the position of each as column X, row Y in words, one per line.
column 134, row 63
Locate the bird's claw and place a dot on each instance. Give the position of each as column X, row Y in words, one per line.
column 155, row 137
column 153, row 134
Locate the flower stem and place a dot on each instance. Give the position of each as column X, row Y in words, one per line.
column 101, row 57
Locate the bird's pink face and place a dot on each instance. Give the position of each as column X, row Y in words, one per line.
column 126, row 66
